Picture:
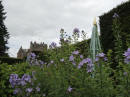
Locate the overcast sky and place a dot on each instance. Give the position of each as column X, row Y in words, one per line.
column 41, row 20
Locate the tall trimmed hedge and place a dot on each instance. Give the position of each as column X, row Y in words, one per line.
column 10, row 60
column 106, row 21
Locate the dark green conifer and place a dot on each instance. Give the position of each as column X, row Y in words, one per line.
column 4, row 35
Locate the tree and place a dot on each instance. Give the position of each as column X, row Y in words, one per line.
column 4, row 35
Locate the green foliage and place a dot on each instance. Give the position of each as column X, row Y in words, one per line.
column 118, row 45
column 83, row 47
column 54, row 79
column 5, row 88
column 5, row 70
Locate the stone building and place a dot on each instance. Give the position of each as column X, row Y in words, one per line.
column 34, row 47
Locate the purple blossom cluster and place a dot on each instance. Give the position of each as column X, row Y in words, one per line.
column 62, row 60
column 90, row 67
column 115, row 15
column 52, row 62
column 81, row 56
column 71, row 58
column 87, row 61
column 75, row 52
column 127, row 56
column 76, row 34
column 101, row 56
column 29, row 90
column 125, row 73
column 76, row 30
column 32, row 60
column 16, row 91
column 53, row 45
column 31, row 56
column 69, row 89
column 16, row 81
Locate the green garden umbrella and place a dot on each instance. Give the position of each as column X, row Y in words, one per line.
column 95, row 46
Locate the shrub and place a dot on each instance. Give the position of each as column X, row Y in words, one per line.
column 9, row 60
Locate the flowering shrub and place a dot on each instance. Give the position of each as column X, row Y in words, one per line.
column 69, row 77
column 72, row 75
column 67, row 73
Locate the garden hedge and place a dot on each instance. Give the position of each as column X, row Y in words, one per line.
column 10, row 60
column 106, row 21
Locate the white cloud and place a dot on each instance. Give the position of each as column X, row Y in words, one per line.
column 41, row 20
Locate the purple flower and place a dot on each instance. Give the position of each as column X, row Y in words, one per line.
column 75, row 52
column 89, row 67
column 127, row 56
column 14, row 80
column 26, row 78
column 125, row 73
column 101, row 56
column 41, row 62
column 62, row 60
column 16, row 91
column 73, row 63
column 80, row 64
column 97, row 59
column 71, row 58
column 69, row 89
column 13, row 77
column 29, row 90
column 127, row 61
column 81, row 56
column 38, row 89
column 31, row 58
column 84, row 61
column 127, row 53
column 23, row 83
column 105, row 59
column 115, row 15
column 128, row 49
column 33, row 55
column 87, row 60
column 52, row 62
column 67, row 41
column 76, row 30
column 53, row 45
